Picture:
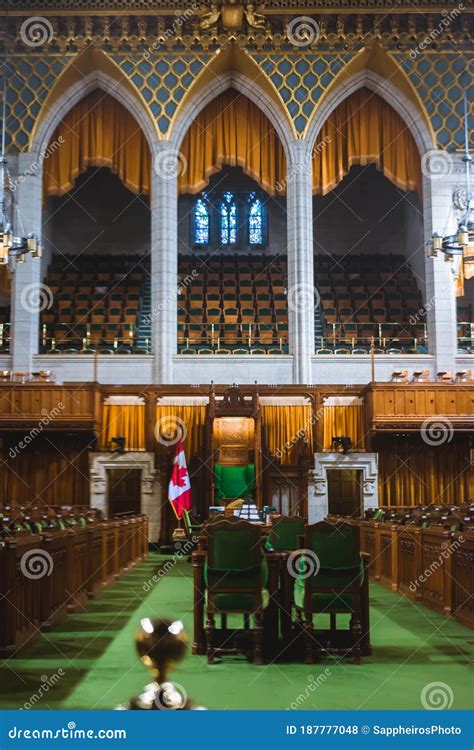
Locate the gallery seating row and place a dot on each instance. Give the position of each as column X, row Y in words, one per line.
column 51, row 562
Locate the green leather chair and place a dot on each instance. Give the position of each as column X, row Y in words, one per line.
column 334, row 586
column 235, row 573
column 233, row 481
column 283, row 536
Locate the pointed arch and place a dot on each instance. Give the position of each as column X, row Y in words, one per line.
column 233, row 68
column 375, row 70
column 90, row 70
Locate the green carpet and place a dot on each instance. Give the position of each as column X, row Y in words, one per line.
column 95, row 650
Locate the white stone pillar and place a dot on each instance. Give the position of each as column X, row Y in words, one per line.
column 164, row 258
column 440, row 302
column 28, row 294
column 300, row 282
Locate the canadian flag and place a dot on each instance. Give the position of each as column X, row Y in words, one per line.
column 179, row 491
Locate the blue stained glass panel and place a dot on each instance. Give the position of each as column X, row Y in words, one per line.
column 228, row 212
column 201, row 222
column 256, row 222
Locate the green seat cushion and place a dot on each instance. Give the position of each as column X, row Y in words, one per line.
column 334, row 579
column 324, row 601
column 236, row 579
column 284, row 535
column 234, row 481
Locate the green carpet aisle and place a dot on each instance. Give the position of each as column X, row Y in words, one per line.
column 95, row 649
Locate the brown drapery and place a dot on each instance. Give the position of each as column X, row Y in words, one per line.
column 364, row 129
column 347, row 420
column 5, row 283
column 413, row 473
column 97, row 132
column 52, row 470
column 283, row 426
column 187, row 418
column 128, row 421
column 232, row 130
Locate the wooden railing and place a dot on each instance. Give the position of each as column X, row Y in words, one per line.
column 431, row 565
column 392, row 406
column 54, row 407
column 45, row 576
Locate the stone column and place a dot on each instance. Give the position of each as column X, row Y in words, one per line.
column 164, row 258
column 440, row 302
column 300, row 282
column 29, row 296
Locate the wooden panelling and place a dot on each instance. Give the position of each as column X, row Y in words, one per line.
column 434, row 566
column 80, row 561
column 401, row 406
column 463, row 577
column 53, row 406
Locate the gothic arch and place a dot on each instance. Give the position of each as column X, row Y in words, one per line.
column 233, row 68
column 390, row 84
column 89, row 71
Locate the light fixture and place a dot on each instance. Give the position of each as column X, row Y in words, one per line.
column 461, row 243
column 344, row 442
column 12, row 248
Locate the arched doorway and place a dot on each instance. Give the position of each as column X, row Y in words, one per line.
column 232, row 232
column 96, row 230
column 368, row 231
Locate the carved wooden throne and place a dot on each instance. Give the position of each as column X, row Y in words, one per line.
column 233, row 447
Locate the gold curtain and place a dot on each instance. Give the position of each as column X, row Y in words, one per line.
column 127, row 421
column 364, row 129
column 5, row 283
column 283, row 426
column 413, row 473
column 52, row 470
column 97, row 132
column 343, row 420
column 232, row 130
column 190, row 419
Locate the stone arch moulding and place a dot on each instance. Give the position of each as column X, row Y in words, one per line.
column 318, row 494
column 205, row 89
column 150, row 490
column 414, row 118
column 113, row 82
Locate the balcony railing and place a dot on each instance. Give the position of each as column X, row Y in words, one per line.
column 238, row 339
column 466, row 338
column 5, row 329
column 384, row 338
column 104, row 339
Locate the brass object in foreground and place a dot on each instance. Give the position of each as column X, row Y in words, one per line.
column 161, row 644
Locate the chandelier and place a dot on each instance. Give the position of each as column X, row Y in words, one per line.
column 12, row 248
column 461, row 243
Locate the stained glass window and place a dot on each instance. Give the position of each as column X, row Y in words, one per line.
column 201, row 222
column 255, row 220
column 228, row 212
